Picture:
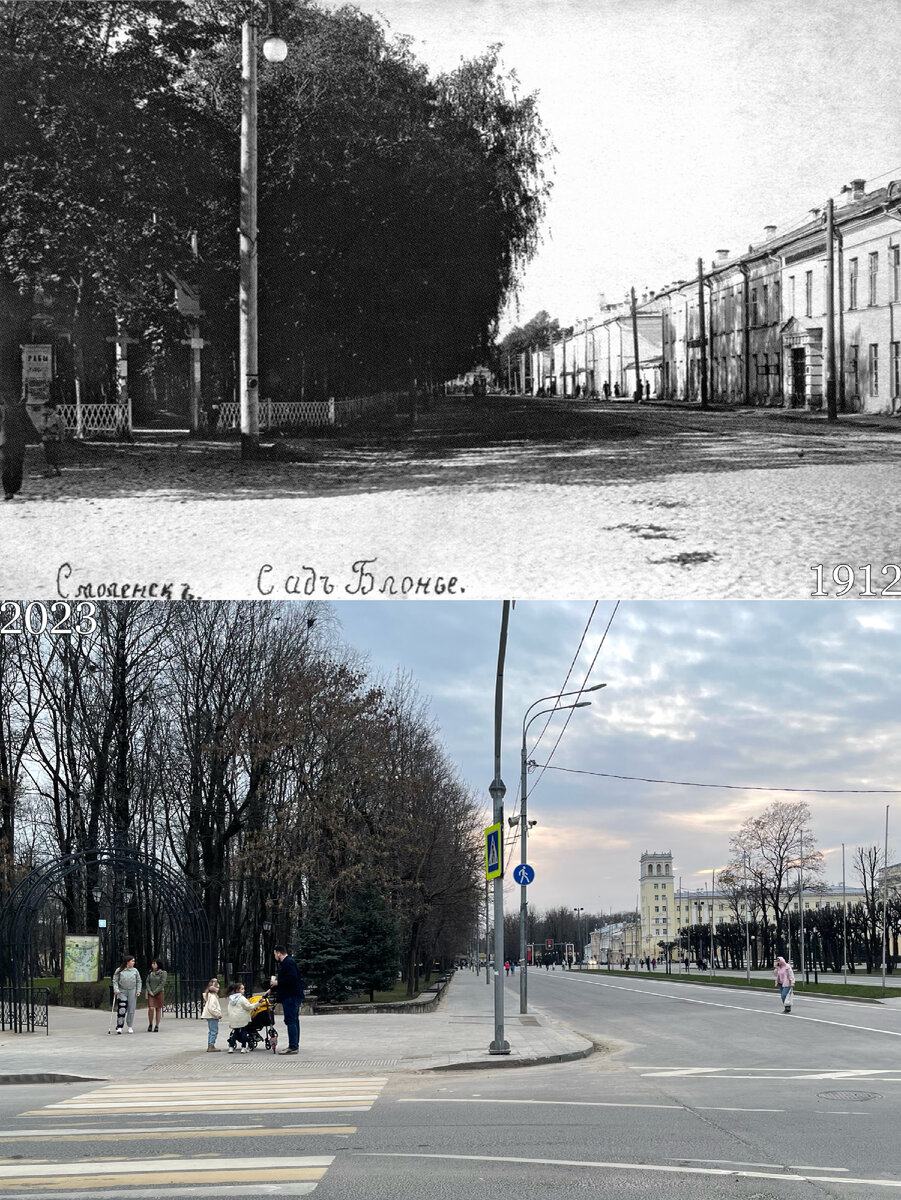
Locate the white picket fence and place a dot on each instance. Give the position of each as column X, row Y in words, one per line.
column 286, row 414
column 95, row 418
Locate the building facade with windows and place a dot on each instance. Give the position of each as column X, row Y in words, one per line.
column 753, row 326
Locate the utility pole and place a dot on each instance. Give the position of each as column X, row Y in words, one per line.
column 831, row 408
column 844, row 922
column 702, row 333
column 801, row 907
column 637, row 394
column 497, row 791
column 884, row 895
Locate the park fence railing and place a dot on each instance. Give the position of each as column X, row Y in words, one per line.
column 294, row 414
column 24, row 1009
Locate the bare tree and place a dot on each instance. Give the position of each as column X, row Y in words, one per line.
column 772, row 845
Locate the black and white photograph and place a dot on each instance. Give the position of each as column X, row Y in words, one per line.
column 475, row 298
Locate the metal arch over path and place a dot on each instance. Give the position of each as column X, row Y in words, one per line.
column 190, row 964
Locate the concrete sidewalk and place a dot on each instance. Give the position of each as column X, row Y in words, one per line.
column 455, row 1036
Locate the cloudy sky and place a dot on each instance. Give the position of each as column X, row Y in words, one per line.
column 773, row 694
column 682, row 126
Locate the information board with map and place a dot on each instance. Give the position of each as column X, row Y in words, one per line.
column 81, row 959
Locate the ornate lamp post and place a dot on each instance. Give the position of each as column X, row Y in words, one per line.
column 274, row 50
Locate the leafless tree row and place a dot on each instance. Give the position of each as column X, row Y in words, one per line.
column 245, row 745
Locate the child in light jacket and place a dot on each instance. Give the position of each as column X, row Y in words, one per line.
column 238, row 1017
column 212, row 1014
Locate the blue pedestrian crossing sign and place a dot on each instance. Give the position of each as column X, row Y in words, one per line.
column 494, row 852
column 523, row 873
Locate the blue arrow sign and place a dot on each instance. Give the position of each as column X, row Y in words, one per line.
column 524, row 873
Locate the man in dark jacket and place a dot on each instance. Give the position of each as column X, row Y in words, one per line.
column 290, row 994
column 15, row 429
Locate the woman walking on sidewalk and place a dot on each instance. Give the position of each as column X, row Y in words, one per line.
column 156, row 991
column 127, row 987
column 785, row 982
column 212, row 1014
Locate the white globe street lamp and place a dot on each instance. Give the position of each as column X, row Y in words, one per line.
column 275, row 50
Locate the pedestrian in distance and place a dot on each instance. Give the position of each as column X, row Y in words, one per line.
column 507, row 967
column 212, row 1014
column 289, row 992
column 785, row 982
column 52, row 438
column 14, row 430
column 647, row 389
column 238, row 1017
column 126, row 988
column 156, row 992
column 606, row 390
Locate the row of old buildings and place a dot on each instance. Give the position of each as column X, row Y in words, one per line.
column 665, row 909
column 753, row 328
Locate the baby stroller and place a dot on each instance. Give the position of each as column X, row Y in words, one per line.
column 261, row 1030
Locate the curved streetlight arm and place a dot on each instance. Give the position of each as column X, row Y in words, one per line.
column 595, row 687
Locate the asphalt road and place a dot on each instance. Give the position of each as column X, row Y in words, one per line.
column 695, row 1093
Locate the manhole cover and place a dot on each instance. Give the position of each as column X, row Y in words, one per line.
column 849, row 1095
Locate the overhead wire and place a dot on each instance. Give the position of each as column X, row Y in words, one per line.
column 735, row 787
column 569, row 714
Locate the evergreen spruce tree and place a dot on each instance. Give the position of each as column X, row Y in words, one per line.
column 324, row 960
column 372, row 941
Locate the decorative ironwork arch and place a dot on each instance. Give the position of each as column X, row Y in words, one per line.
column 190, row 960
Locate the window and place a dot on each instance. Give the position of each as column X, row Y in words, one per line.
column 656, row 885
column 754, row 311
column 874, row 268
column 656, row 908
column 896, row 368
column 852, row 283
column 766, row 373
column 778, row 370
column 874, row 369
column 791, row 295
column 808, row 293
column 765, row 305
column 895, row 260
column 777, row 300
column 854, row 369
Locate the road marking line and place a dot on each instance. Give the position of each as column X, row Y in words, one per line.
column 175, row 1108
column 732, row 1163
column 573, row 1103
column 204, row 1132
column 138, row 1166
column 767, row 1012
column 615, row 1166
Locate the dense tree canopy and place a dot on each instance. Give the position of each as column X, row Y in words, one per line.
column 395, row 209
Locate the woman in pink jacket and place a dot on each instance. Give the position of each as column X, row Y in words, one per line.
column 785, row 981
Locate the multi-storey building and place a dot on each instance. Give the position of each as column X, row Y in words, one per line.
column 753, row 326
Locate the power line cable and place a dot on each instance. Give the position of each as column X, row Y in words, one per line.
column 735, row 787
column 584, row 683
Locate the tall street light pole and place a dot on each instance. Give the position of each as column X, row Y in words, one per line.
column 497, row 791
column 524, row 821
column 274, row 50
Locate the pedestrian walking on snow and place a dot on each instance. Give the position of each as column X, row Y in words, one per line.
column 785, row 982
column 15, row 427
column 127, row 988
column 212, row 1014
